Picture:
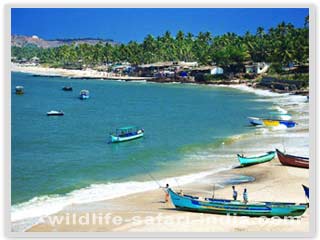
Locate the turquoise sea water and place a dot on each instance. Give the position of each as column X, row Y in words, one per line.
column 57, row 155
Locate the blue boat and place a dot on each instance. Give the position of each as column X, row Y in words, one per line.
column 288, row 124
column 84, row 94
column 247, row 161
column 126, row 134
column 255, row 121
column 235, row 207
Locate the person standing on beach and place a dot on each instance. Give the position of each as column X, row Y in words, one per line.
column 234, row 193
column 166, row 188
column 245, row 196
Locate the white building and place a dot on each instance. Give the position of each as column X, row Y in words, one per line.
column 258, row 68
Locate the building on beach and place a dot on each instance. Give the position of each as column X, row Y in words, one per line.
column 257, row 68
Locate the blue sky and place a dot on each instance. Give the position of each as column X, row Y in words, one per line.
column 123, row 25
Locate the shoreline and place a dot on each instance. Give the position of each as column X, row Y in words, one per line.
column 154, row 206
column 93, row 74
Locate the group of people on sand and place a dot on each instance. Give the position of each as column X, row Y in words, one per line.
column 234, row 194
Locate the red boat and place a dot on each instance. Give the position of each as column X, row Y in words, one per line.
column 290, row 160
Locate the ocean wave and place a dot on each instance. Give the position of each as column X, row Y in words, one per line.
column 42, row 206
column 257, row 91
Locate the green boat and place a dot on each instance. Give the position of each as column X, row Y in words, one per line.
column 126, row 134
column 247, row 161
column 234, row 207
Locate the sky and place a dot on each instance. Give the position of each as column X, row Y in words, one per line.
column 123, row 24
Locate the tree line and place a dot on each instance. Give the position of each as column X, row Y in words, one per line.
column 280, row 45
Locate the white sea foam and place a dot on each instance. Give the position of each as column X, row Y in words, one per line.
column 23, row 215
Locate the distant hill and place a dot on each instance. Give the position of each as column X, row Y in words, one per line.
column 20, row 41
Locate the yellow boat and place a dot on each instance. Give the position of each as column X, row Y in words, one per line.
column 271, row 123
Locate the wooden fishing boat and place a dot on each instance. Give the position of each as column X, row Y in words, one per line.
column 294, row 161
column 19, row 90
column 247, row 161
column 271, row 123
column 67, row 88
column 288, row 124
column 55, row 113
column 224, row 206
column 255, row 121
column 306, row 190
column 126, row 134
column 84, row 94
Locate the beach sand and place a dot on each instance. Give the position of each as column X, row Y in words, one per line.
column 87, row 73
column 273, row 182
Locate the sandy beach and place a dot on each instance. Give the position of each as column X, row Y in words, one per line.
column 87, row 73
column 147, row 211
column 273, row 182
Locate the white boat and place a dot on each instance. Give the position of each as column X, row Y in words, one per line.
column 55, row 113
column 255, row 121
column 84, row 94
column 126, row 134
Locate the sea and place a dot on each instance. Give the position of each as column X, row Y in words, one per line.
column 191, row 131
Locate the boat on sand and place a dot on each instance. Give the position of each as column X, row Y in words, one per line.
column 291, row 160
column 235, row 207
column 247, row 161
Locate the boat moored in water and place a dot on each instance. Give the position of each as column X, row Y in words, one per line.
column 126, row 134
column 291, row 160
column 19, row 90
column 67, row 88
column 55, row 113
column 247, row 161
column 84, row 94
column 234, row 207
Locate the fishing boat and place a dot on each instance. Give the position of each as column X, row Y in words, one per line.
column 19, row 90
column 126, row 134
column 247, row 161
column 236, row 207
column 55, row 113
column 84, row 94
column 288, row 124
column 306, row 190
column 255, row 121
column 271, row 123
column 294, row 161
column 67, row 88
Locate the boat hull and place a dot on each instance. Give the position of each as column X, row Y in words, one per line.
column 229, row 207
column 271, row 123
column 294, row 161
column 245, row 161
column 55, row 114
column 255, row 121
column 82, row 97
column 288, row 124
column 115, row 139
